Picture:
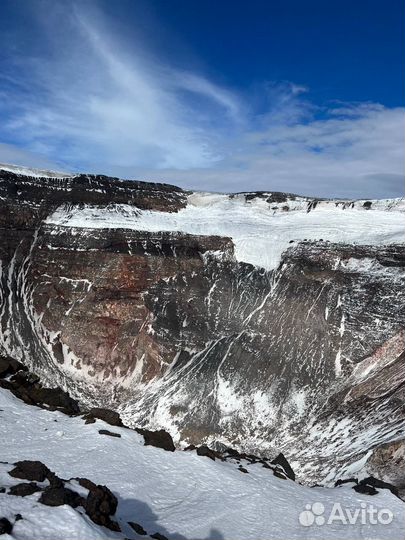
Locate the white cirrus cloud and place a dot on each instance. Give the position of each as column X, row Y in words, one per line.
column 101, row 104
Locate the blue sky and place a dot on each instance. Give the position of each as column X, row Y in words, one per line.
column 227, row 96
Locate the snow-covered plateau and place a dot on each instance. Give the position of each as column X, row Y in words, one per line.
column 260, row 229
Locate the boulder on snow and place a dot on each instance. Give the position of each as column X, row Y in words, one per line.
column 110, row 433
column 30, row 470
column 190, row 448
column 346, row 481
column 27, row 387
column 9, row 366
column 204, row 450
column 160, row 439
column 137, row 528
column 57, row 496
column 282, row 461
column 158, row 536
column 100, row 504
column 365, row 489
column 375, row 483
column 110, row 417
column 24, row 489
column 279, row 473
column 5, row 526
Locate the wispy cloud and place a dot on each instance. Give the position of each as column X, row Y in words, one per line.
column 98, row 104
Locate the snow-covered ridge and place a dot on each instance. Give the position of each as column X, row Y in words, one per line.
column 180, row 495
column 260, row 229
column 36, row 173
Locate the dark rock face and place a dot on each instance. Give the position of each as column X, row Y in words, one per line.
column 108, row 416
column 282, row 461
column 346, row 481
column 203, row 450
column 172, row 331
column 158, row 536
column 30, row 470
column 137, row 528
column 388, row 462
column 279, row 473
column 56, row 496
column 5, row 526
column 24, row 489
column 10, row 366
column 27, row 386
column 110, row 433
column 376, row 483
column 100, row 504
column 365, row 489
column 160, row 439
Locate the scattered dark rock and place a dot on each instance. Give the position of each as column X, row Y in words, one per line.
column 282, row 461
column 137, row 528
column 158, row 536
column 55, row 399
column 242, row 469
column 160, row 439
column 9, row 366
column 346, row 481
column 279, row 474
column 5, row 526
column 90, row 421
column 2, row 490
column 56, row 496
column 364, row 488
column 203, row 450
column 374, row 482
column 100, row 504
column 18, row 517
column 367, row 205
column 27, row 387
column 110, row 417
column 110, row 433
column 30, row 470
column 54, row 481
column 232, row 452
column 24, row 489
column 190, row 448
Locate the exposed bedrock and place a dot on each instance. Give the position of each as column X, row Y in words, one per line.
column 174, row 332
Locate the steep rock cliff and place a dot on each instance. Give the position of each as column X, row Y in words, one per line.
column 259, row 320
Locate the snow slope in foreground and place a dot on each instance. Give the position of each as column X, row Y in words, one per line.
column 260, row 230
column 180, row 494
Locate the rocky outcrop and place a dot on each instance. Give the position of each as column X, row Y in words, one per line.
column 160, row 439
column 108, row 416
column 387, row 461
column 100, row 504
column 28, row 387
column 5, row 526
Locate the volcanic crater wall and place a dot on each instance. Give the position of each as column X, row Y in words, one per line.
column 175, row 332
